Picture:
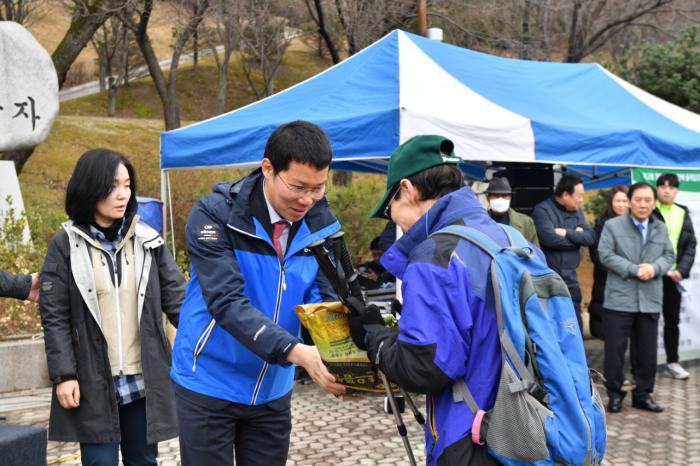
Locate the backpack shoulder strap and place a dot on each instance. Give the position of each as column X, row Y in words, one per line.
column 473, row 236
column 460, row 391
column 515, row 238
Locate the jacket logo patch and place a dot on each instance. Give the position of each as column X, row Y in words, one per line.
column 570, row 325
column 208, row 232
column 46, row 286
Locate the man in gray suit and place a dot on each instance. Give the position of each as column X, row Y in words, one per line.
column 636, row 250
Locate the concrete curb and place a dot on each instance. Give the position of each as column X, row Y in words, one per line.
column 23, row 365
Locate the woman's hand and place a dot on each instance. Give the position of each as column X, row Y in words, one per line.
column 68, row 394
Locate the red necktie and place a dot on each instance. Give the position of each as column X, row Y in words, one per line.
column 277, row 230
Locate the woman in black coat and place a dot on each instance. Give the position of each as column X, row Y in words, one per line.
column 107, row 282
column 617, row 204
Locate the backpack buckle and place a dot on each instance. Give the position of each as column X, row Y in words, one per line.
column 537, row 391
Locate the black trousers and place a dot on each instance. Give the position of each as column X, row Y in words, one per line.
column 643, row 329
column 211, row 430
column 672, row 313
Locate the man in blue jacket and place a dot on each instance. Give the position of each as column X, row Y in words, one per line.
column 238, row 340
column 562, row 230
column 448, row 329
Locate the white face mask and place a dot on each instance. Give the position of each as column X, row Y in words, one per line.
column 499, row 204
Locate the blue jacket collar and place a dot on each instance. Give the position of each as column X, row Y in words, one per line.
column 238, row 195
column 455, row 207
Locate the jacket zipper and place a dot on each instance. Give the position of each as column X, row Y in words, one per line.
column 281, row 285
column 120, row 343
column 202, row 342
column 432, row 424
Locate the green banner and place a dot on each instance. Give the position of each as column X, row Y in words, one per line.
column 689, row 179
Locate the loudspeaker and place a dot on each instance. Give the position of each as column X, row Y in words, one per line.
column 532, row 183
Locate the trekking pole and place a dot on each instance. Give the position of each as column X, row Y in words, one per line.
column 400, row 426
column 416, row 412
column 343, row 278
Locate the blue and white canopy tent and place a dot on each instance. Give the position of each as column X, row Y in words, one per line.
column 495, row 110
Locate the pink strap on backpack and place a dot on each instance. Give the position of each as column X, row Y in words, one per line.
column 476, row 427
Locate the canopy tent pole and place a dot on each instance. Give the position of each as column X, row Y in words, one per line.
column 166, row 198
column 172, row 221
column 163, row 196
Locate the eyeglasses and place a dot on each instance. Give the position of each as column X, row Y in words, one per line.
column 387, row 209
column 315, row 193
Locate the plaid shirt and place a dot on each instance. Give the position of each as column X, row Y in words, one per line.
column 109, row 246
column 129, row 388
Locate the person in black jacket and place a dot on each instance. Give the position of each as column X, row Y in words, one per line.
column 617, row 204
column 682, row 235
column 19, row 286
column 562, row 230
column 107, row 283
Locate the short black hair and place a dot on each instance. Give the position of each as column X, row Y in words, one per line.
column 92, row 181
column 567, row 184
column 639, row 185
column 670, row 178
column 298, row 141
column 437, row 181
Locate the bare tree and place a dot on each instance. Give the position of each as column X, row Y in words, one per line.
column 365, row 21
column 137, row 18
column 593, row 23
column 566, row 30
column 263, row 42
column 226, row 15
column 19, row 11
column 318, row 17
column 116, row 51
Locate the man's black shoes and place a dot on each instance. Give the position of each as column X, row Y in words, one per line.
column 615, row 403
column 647, row 404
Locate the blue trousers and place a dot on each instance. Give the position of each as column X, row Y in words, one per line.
column 135, row 450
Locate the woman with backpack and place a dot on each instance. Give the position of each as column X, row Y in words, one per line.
column 616, row 204
column 107, row 280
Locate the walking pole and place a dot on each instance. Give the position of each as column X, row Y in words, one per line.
column 397, row 417
column 416, row 412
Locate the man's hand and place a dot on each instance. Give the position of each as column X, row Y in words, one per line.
column 561, row 232
column 646, row 272
column 36, row 286
column 68, row 394
column 579, row 229
column 674, row 275
column 308, row 357
column 357, row 322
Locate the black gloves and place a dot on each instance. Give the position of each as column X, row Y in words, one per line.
column 357, row 322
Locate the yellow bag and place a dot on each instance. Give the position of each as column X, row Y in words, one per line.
column 328, row 325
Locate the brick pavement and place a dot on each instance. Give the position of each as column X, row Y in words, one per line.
column 328, row 431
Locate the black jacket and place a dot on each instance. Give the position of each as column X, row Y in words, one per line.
column 562, row 252
column 600, row 273
column 76, row 347
column 685, row 252
column 14, row 286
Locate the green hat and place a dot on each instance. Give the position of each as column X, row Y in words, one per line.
column 415, row 155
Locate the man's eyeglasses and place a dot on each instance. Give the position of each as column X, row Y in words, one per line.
column 315, row 193
column 387, row 209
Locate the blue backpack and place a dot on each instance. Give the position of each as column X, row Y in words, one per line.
column 547, row 409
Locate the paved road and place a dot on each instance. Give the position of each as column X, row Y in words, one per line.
column 327, row 431
column 93, row 87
